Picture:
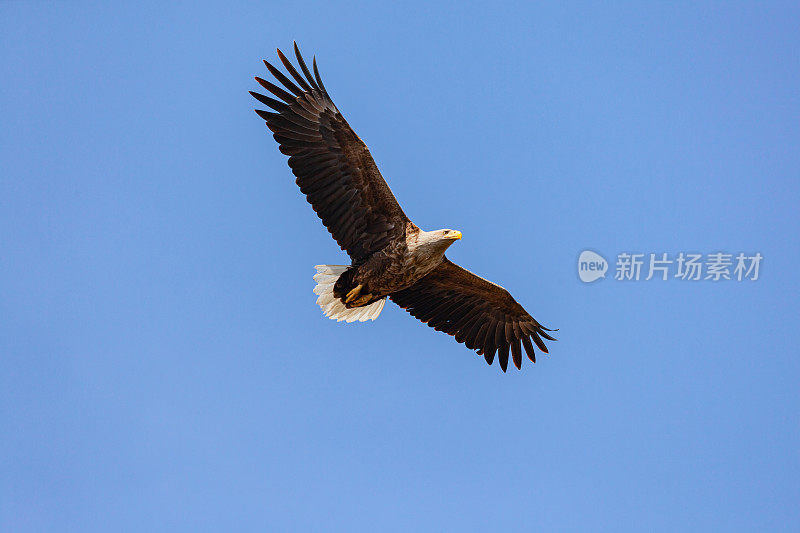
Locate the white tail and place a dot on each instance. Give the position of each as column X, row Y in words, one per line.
column 333, row 307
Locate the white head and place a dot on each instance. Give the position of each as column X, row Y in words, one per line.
column 434, row 243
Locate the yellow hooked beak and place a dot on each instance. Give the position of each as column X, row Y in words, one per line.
column 455, row 235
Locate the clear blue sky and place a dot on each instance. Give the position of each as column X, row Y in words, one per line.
column 163, row 365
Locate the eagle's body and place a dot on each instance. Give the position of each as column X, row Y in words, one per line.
column 399, row 265
column 391, row 257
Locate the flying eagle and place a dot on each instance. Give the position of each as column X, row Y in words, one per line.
column 391, row 257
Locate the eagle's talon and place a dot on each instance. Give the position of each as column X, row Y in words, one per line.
column 353, row 293
column 362, row 300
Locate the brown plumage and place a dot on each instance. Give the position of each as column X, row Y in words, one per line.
column 391, row 257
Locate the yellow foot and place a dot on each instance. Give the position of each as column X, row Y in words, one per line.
column 362, row 300
column 353, row 294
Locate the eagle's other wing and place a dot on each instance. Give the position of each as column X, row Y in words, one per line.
column 482, row 315
column 333, row 166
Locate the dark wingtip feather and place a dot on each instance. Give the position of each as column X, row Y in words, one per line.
column 516, row 352
column 290, row 68
column 502, row 356
column 263, row 114
column 257, row 96
column 546, row 336
column 271, row 102
column 539, row 342
column 274, row 89
column 526, row 343
column 303, row 66
column 283, row 79
column 316, row 75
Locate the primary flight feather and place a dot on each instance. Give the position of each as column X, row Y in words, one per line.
column 390, row 256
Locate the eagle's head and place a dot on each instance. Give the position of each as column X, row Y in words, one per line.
column 448, row 235
column 434, row 243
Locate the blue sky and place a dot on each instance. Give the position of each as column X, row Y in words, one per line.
column 164, row 365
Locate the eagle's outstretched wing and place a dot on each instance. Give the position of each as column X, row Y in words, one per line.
column 333, row 166
column 482, row 315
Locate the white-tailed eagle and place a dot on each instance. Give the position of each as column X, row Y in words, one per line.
column 390, row 256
